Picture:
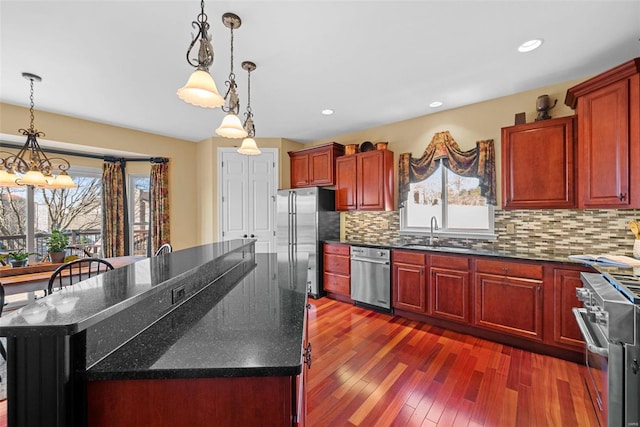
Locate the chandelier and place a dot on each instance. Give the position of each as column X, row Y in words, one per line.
column 249, row 146
column 231, row 126
column 31, row 166
column 200, row 89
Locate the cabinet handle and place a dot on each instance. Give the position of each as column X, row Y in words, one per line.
column 539, row 288
column 307, row 355
column 622, row 197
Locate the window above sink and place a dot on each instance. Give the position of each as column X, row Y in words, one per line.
column 455, row 202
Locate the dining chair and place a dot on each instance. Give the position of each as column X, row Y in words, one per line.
column 3, row 351
column 77, row 270
column 164, row 249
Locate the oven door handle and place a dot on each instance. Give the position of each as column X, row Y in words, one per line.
column 591, row 344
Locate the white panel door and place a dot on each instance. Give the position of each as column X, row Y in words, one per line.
column 247, row 188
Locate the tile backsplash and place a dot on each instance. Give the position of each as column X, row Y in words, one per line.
column 595, row 231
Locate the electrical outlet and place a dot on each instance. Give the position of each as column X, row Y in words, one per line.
column 511, row 228
column 178, row 294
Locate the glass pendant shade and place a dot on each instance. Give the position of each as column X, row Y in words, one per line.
column 8, row 179
column 201, row 91
column 33, row 177
column 63, row 181
column 249, row 147
column 231, row 127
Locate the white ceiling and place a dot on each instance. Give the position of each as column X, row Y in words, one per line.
column 373, row 62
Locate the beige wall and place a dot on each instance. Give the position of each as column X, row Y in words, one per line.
column 181, row 154
column 467, row 125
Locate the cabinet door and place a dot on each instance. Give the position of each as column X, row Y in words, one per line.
column 409, row 281
column 565, row 327
column 375, row 180
column 299, row 417
column 299, row 171
column 346, row 183
column 509, row 304
column 538, row 165
column 449, row 294
column 321, row 168
column 604, row 146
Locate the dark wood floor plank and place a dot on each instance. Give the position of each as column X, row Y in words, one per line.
column 371, row 369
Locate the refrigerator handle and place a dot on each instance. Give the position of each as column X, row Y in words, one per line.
column 289, row 219
column 295, row 218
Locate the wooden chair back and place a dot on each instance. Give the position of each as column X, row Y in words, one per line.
column 164, row 249
column 77, row 270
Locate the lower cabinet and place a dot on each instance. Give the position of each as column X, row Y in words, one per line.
column 409, row 281
column 565, row 328
column 508, row 297
column 337, row 270
column 449, row 287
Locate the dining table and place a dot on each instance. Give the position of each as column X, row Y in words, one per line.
column 30, row 283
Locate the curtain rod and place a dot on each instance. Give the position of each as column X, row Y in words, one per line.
column 91, row 156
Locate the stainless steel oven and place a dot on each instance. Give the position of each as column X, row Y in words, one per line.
column 609, row 322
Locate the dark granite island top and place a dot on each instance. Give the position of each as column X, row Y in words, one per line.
column 205, row 312
column 256, row 329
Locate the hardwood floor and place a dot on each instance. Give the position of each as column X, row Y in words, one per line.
column 373, row 369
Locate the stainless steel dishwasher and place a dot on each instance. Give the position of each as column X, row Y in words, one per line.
column 371, row 276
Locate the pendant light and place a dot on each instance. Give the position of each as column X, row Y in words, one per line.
column 249, row 146
column 231, row 126
column 200, row 89
column 31, row 166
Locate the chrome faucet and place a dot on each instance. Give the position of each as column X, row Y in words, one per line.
column 434, row 225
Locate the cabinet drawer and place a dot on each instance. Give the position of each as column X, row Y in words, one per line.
column 337, row 284
column 409, row 257
column 509, row 268
column 339, row 264
column 450, row 262
column 330, row 248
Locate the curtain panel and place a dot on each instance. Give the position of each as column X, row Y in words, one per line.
column 114, row 210
column 159, row 205
column 478, row 163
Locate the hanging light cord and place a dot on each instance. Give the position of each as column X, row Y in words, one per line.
column 248, row 123
column 231, row 96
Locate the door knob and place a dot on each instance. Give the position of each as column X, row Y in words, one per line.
column 252, row 236
column 244, row 235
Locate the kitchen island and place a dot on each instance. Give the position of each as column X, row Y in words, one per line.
column 188, row 337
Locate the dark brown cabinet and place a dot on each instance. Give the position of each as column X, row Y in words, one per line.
column 337, row 270
column 314, row 166
column 449, row 287
column 508, row 297
column 364, row 181
column 565, row 328
column 409, row 281
column 608, row 111
column 538, row 165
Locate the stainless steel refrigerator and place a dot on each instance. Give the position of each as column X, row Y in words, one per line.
column 306, row 218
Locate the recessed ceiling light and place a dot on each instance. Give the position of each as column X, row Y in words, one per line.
column 435, row 104
column 327, row 112
column 530, row 45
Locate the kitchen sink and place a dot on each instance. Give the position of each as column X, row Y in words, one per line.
column 438, row 248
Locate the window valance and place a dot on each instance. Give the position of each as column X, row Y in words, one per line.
column 478, row 163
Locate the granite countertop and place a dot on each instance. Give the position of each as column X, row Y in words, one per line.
column 105, row 295
column 523, row 253
column 250, row 326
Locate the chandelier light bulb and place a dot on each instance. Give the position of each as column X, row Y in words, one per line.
column 249, row 147
column 201, row 91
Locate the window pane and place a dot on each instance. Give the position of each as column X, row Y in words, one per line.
column 467, row 209
column 13, row 217
column 140, row 209
column 425, row 200
column 76, row 211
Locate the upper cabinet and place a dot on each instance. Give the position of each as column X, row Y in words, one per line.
column 608, row 111
column 364, row 181
column 538, row 165
column 315, row 166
